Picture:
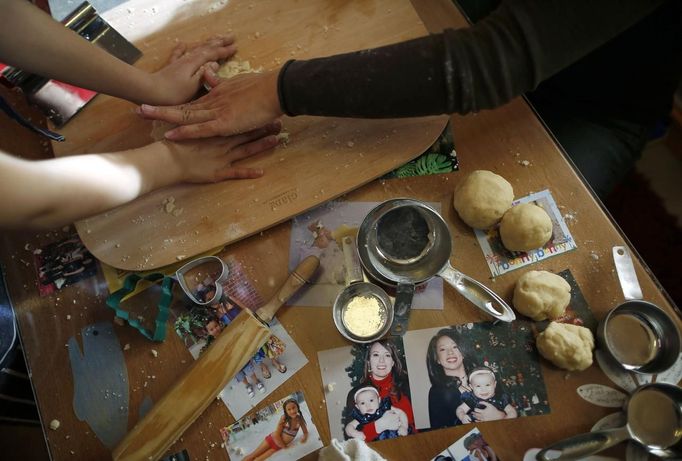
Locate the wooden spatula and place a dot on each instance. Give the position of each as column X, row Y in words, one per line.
column 189, row 397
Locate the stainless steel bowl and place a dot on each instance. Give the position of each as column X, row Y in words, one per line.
column 640, row 337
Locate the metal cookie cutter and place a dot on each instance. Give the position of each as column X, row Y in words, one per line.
column 216, row 284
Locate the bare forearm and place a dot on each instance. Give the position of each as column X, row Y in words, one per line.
column 54, row 192
column 31, row 40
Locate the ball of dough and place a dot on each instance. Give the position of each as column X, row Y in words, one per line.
column 541, row 295
column 525, row 227
column 482, row 198
column 566, row 346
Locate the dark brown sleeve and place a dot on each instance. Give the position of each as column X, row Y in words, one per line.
column 484, row 66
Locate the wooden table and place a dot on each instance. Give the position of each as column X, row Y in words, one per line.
column 488, row 140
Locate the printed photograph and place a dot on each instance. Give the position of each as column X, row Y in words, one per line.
column 198, row 325
column 319, row 232
column 475, row 372
column 500, row 260
column 471, row 447
column 441, row 157
column 62, row 264
column 282, row 431
column 367, row 387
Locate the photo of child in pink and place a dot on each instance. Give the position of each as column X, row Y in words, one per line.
column 483, row 386
column 284, row 434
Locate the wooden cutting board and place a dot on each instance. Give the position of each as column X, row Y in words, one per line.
column 324, row 158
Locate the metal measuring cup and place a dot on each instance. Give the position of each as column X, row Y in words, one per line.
column 362, row 311
column 637, row 335
column 654, row 420
column 404, row 243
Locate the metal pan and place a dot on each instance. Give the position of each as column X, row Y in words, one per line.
column 654, row 420
column 637, row 335
column 404, row 242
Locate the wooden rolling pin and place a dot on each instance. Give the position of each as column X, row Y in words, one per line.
column 189, row 397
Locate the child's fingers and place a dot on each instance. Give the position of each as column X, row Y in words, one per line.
column 182, row 114
column 230, row 172
column 177, row 52
column 270, row 128
column 211, row 77
column 253, row 148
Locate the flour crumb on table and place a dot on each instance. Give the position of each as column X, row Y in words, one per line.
column 54, row 424
column 155, row 353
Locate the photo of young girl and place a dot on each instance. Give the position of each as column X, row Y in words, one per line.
column 281, row 431
column 198, row 325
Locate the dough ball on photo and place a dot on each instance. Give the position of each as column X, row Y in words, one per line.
column 566, row 346
column 525, row 227
column 541, row 295
column 482, row 198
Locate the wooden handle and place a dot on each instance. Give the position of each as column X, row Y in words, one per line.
column 298, row 277
column 189, row 397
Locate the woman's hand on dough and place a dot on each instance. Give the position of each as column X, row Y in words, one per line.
column 211, row 160
column 180, row 79
column 233, row 106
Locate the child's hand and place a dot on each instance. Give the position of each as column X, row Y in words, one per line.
column 180, row 79
column 210, row 160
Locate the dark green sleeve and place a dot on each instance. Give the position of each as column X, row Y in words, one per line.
column 508, row 53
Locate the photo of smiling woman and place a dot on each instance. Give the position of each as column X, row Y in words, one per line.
column 380, row 366
column 449, row 363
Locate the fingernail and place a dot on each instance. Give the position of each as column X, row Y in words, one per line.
column 147, row 108
column 259, row 171
column 214, row 66
column 169, row 134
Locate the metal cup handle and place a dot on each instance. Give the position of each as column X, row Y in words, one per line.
column 626, row 273
column 480, row 295
column 583, row 445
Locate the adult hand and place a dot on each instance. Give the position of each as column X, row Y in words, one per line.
column 234, row 105
column 489, row 413
column 211, row 160
column 179, row 80
column 390, row 421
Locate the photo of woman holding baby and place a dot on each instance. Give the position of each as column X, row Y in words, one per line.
column 379, row 406
column 450, row 365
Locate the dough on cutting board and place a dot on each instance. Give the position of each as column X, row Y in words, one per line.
column 482, row 198
column 566, row 346
column 235, row 67
column 525, row 227
column 541, row 295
